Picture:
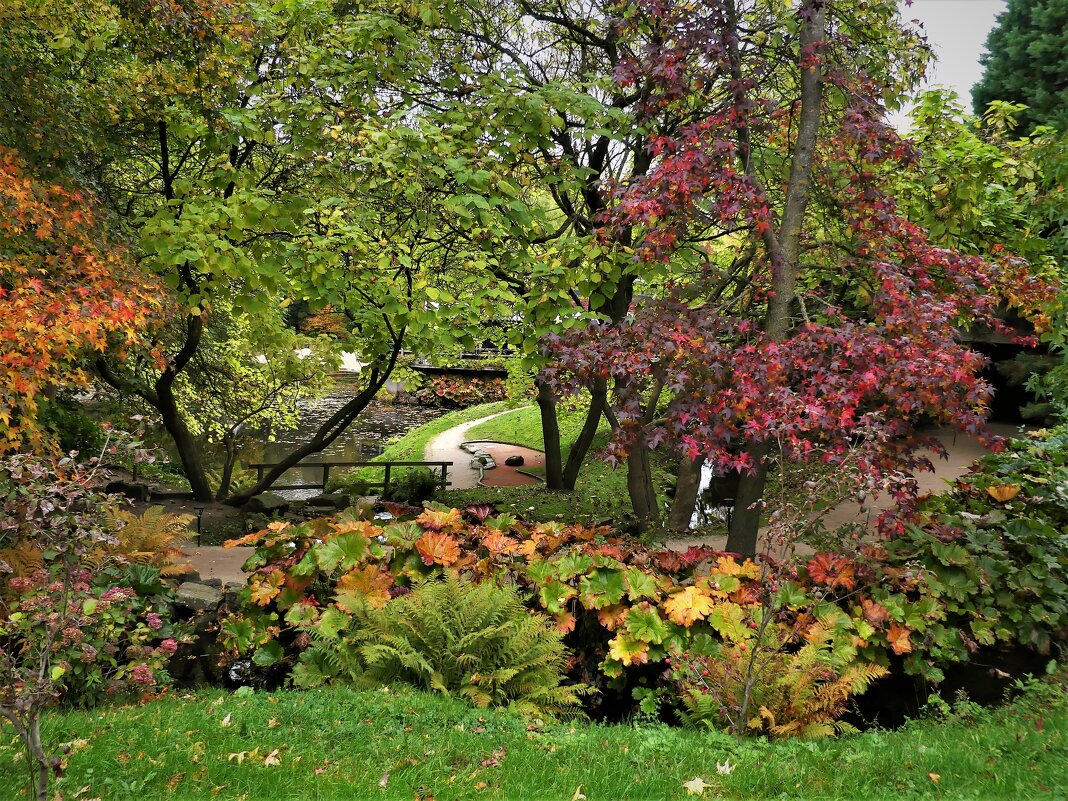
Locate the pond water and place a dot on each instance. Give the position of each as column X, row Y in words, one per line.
column 366, row 438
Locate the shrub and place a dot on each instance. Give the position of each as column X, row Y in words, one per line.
column 73, row 429
column 153, row 537
column 461, row 391
column 67, row 634
column 950, row 583
column 763, row 683
column 452, row 636
column 351, row 482
column 412, row 486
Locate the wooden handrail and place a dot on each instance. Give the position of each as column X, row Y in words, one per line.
column 326, row 466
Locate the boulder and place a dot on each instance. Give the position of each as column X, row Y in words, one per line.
column 333, row 500
column 267, row 503
column 483, row 460
column 198, row 597
column 515, row 461
column 135, row 491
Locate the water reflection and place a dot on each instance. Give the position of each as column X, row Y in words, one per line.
column 366, row 438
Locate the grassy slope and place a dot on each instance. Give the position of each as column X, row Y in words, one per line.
column 601, row 492
column 338, row 744
column 412, row 446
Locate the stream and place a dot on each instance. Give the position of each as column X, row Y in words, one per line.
column 366, row 438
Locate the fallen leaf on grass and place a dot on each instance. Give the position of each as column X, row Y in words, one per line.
column 225, row 722
column 319, row 771
column 495, row 760
column 579, row 795
column 934, row 777
column 272, row 723
column 175, row 780
column 696, row 786
column 240, row 756
column 726, row 768
column 272, row 759
column 384, row 780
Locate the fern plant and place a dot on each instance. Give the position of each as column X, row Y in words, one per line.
column 154, row 537
column 797, row 693
column 452, row 636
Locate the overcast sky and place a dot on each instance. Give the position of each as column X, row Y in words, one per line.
column 956, row 30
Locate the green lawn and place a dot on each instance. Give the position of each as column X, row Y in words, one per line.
column 401, row 744
column 412, row 446
column 600, row 494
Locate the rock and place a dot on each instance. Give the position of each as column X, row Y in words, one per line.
column 267, row 503
column 483, row 460
column 333, row 500
column 198, row 597
column 184, row 573
column 133, row 490
column 515, row 461
column 212, row 582
column 234, row 586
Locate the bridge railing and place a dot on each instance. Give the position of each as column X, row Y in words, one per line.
column 387, row 467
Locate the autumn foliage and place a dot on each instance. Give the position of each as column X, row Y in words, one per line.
column 66, row 291
column 625, row 608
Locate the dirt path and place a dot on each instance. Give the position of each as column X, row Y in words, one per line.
column 216, row 562
column 963, row 451
column 445, row 447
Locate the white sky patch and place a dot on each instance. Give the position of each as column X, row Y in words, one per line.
column 956, row 31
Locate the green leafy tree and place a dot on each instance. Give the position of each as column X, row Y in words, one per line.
column 1024, row 62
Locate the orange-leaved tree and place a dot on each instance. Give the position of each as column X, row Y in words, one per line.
column 66, row 289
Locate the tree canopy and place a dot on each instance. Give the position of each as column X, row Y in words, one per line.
column 1024, row 63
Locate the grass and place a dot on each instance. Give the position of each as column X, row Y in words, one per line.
column 402, row 744
column 523, row 427
column 601, row 491
column 412, row 446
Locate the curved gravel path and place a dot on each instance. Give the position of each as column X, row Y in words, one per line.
column 445, row 447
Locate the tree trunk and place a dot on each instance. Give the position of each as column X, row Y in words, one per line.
column 550, row 434
column 745, row 520
column 327, row 432
column 686, row 488
column 581, row 446
column 640, row 487
column 188, row 452
column 784, row 245
column 228, row 467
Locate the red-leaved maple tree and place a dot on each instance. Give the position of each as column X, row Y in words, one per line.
column 66, row 290
column 821, row 324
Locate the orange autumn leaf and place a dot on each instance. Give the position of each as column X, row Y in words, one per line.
column 687, row 607
column 529, row 547
column 1002, row 493
column 565, row 622
column 832, row 570
column 339, row 527
column 499, row 544
column 612, row 616
column 438, row 548
column 898, row 637
column 874, row 613
column 264, row 588
column 727, row 566
column 436, row 520
column 371, row 582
